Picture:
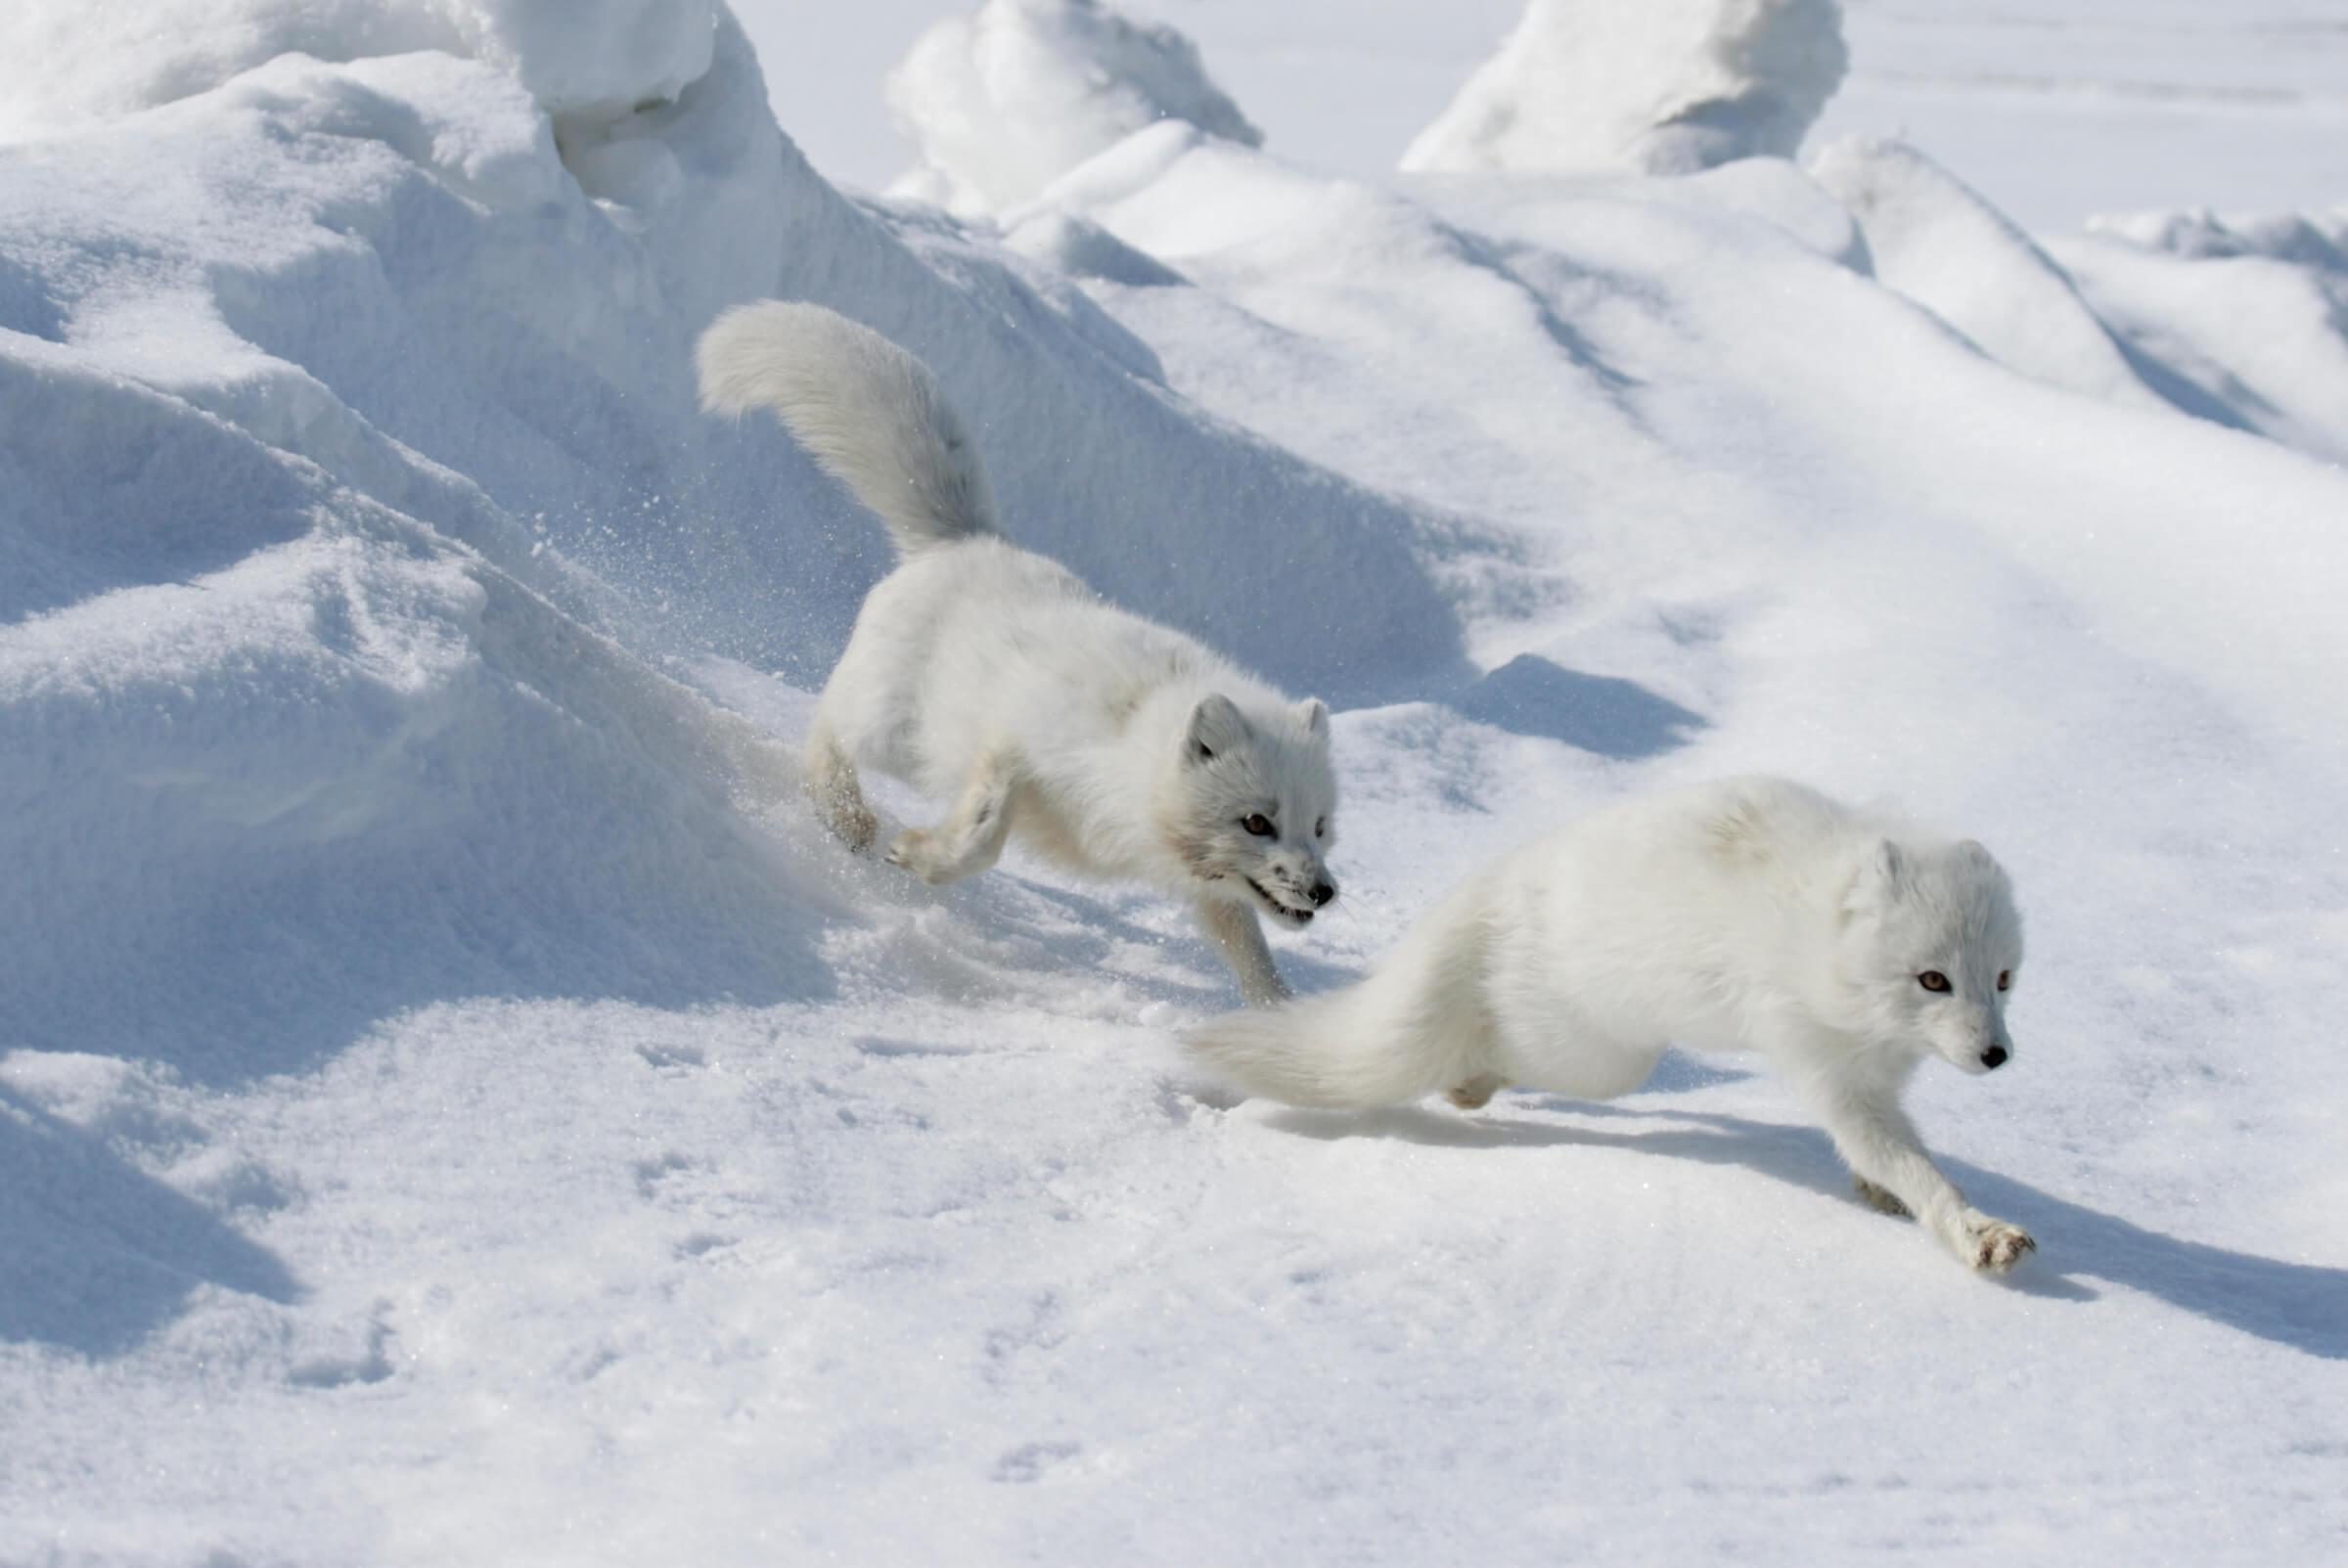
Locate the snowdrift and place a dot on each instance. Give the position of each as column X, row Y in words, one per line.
column 359, row 437
column 2250, row 312
column 1665, row 87
column 455, row 1106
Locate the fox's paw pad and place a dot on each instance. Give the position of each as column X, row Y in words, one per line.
column 911, row 852
column 1994, row 1246
column 1476, row 1091
column 1879, row 1198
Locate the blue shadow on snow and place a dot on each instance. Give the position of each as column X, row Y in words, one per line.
column 1601, row 713
column 2303, row 1305
column 95, row 1255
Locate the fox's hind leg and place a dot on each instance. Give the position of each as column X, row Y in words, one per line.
column 970, row 839
column 832, row 786
column 1474, row 1094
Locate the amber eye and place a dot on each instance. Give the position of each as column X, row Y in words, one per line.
column 1933, row 981
column 2005, row 979
column 1259, row 825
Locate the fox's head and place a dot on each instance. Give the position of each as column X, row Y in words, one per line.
column 1252, row 805
column 1932, row 945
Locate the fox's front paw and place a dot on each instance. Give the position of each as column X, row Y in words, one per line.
column 910, row 851
column 1992, row 1246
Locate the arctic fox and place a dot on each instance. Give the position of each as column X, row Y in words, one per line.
column 986, row 674
column 1746, row 914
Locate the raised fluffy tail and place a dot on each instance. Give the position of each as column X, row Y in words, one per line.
column 870, row 414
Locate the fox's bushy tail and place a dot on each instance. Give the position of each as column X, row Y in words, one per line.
column 870, row 415
column 1389, row 1038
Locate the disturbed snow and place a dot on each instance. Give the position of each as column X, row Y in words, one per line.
column 456, row 1107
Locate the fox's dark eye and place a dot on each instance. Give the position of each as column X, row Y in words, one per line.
column 1259, row 825
column 1933, row 981
column 2004, row 979
column 1320, row 828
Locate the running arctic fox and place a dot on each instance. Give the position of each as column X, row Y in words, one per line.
column 983, row 673
column 1749, row 914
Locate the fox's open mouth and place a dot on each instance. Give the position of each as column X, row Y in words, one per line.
column 1298, row 917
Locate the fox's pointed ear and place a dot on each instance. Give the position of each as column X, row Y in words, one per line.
column 1313, row 714
column 1876, row 880
column 1216, row 725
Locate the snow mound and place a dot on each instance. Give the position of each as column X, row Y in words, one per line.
column 587, row 60
column 1934, row 239
column 360, row 532
column 1662, row 87
column 1004, row 100
column 2248, row 315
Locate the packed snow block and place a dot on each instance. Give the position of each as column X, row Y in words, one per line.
column 588, row 61
column 1007, row 98
column 2247, row 314
column 1660, row 87
column 1936, row 241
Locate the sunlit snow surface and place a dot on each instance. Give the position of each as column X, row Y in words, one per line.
column 456, row 1107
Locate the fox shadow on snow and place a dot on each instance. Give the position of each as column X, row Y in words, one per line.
column 2300, row 1304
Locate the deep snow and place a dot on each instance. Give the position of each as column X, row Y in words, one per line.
column 455, row 1106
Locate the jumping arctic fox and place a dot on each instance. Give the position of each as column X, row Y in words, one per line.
column 1746, row 914
column 983, row 673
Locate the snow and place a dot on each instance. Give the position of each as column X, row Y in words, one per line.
column 1006, row 98
column 592, row 62
column 1942, row 245
column 456, row 1106
column 1667, row 87
column 2244, row 311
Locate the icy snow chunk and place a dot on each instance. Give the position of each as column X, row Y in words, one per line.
column 1004, row 100
column 64, row 63
column 1662, row 87
column 593, row 59
column 1936, row 241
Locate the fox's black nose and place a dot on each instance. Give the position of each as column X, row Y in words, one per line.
column 1994, row 1056
column 1321, row 894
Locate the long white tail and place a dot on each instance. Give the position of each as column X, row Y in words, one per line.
column 1391, row 1038
column 870, row 415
